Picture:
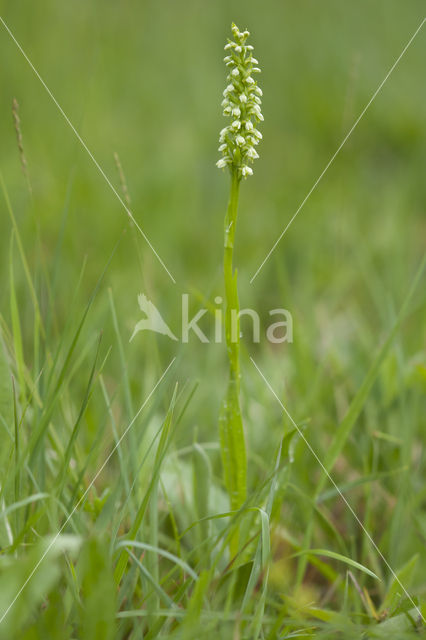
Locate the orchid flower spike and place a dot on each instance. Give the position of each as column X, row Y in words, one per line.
column 241, row 101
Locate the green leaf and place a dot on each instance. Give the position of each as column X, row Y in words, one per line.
column 195, row 606
column 400, row 627
column 202, row 478
column 161, row 452
column 161, row 552
column 233, row 448
column 6, row 395
column 23, row 503
column 97, row 592
column 338, row 556
column 403, row 576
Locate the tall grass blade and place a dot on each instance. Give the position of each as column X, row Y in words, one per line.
column 161, row 452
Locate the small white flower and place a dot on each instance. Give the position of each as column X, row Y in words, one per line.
column 257, row 134
column 240, row 141
column 243, row 98
column 256, row 70
column 236, row 111
column 225, row 102
column 236, row 125
column 252, row 60
column 227, row 59
column 257, row 100
column 252, row 153
column 238, row 49
column 228, row 46
column 222, row 162
column 227, row 111
column 259, row 91
column 249, row 80
column 223, row 131
column 223, row 147
column 246, row 171
column 255, row 110
column 248, row 125
column 235, row 72
column 249, row 47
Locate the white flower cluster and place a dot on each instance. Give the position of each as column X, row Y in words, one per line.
column 241, row 103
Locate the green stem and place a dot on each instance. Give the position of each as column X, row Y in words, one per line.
column 232, row 342
column 231, row 427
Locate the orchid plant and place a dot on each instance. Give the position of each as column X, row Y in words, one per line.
column 238, row 142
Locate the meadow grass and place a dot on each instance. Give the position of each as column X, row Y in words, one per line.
column 112, row 496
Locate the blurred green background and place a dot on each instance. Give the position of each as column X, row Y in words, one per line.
column 144, row 79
